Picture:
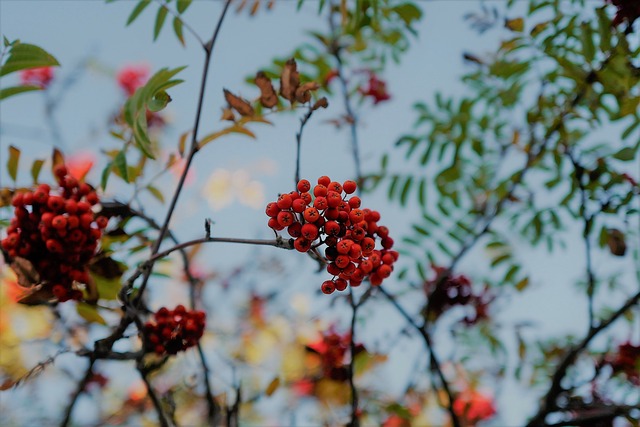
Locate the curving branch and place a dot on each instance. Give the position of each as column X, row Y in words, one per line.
column 549, row 403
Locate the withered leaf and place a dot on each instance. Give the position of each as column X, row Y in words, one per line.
column 57, row 158
column 303, row 92
column 320, row 103
column 289, row 80
column 227, row 114
column 25, row 271
column 242, row 106
column 268, row 96
column 37, row 295
column 616, row 242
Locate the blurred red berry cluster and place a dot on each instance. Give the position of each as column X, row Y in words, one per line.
column 328, row 217
column 446, row 291
column 376, row 89
column 174, row 330
column 628, row 10
column 473, row 407
column 41, row 76
column 627, row 361
column 57, row 232
column 333, row 349
column 132, row 77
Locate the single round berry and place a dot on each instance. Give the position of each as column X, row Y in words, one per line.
column 304, row 186
column 328, row 287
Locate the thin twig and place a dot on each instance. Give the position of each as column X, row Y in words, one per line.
column 208, row 49
column 355, row 419
column 82, row 385
column 162, row 417
column 185, row 24
column 433, row 359
column 303, row 122
column 335, row 51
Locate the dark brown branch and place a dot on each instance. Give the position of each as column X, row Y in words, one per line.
column 82, row 385
column 355, row 419
column 597, row 416
column 550, row 400
column 162, row 416
column 433, row 359
column 208, row 49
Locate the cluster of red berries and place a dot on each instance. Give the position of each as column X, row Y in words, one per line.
column 447, row 291
column 628, row 10
column 57, row 232
column 174, row 330
column 333, row 349
column 323, row 215
column 626, row 360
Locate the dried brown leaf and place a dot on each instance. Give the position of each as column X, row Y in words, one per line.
column 25, row 271
column 268, row 96
column 303, row 92
column 616, row 242
column 320, row 103
column 289, row 80
column 242, row 106
column 227, row 114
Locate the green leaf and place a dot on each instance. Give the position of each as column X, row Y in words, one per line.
column 155, row 193
column 15, row 90
column 405, row 191
column 408, row 12
column 499, row 259
column 121, row 164
column 107, row 288
column 138, row 10
column 12, row 163
column 182, row 5
column 625, row 154
column 105, row 175
column 159, row 101
column 604, row 29
column 522, row 284
column 233, row 129
column 586, row 36
column 177, row 29
column 25, row 56
column 90, row 313
column 36, row 167
column 515, row 24
column 160, row 18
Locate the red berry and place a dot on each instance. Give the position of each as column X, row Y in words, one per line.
column 355, row 202
column 311, row 215
column 335, row 186
column 92, row 198
column 324, row 180
column 328, row 287
column 285, row 218
column 349, row 186
column 59, row 222
column 102, row 222
column 319, row 190
column 284, row 201
column 295, row 229
column 299, row 205
column 332, row 228
column 309, row 232
column 302, row 245
column 320, row 203
column 340, row 284
column 60, row 171
column 304, row 186
column 272, row 210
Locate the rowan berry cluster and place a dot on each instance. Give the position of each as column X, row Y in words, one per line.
column 446, row 291
column 57, row 232
column 174, row 330
column 333, row 349
column 325, row 215
column 626, row 360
